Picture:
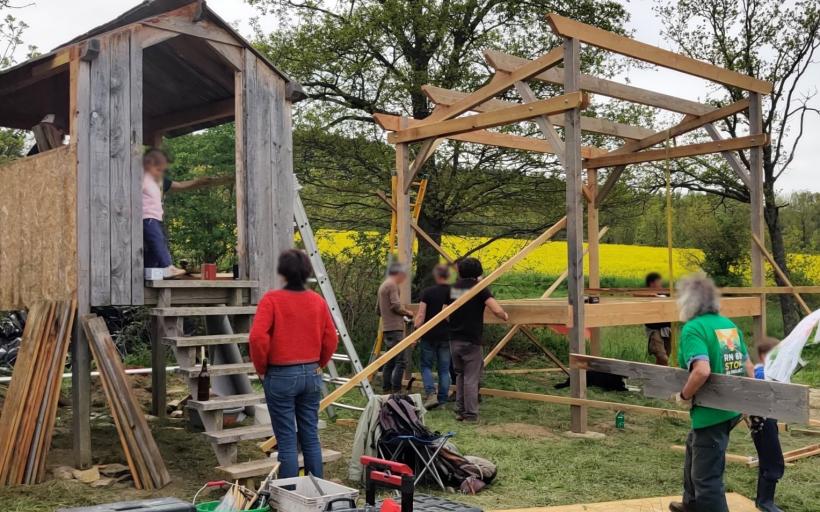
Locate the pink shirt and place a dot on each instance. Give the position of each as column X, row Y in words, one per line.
column 151, row 198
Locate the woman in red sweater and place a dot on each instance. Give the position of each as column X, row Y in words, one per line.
column 292, row 338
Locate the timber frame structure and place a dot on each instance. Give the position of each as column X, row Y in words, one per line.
column 446, row 122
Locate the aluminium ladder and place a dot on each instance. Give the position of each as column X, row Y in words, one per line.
column 350, row 356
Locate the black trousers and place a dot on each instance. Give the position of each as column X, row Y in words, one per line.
column 769, row 453
column 704, row 465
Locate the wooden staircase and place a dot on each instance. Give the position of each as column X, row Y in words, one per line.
column 179, row 299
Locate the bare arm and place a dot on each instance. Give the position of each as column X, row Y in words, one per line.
column 203, row 182
column 496, row 309
column 698, row 375
column 420, row 314
column 750, row 368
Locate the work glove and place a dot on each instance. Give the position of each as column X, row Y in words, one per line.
column 678, row 399
column 756, row 424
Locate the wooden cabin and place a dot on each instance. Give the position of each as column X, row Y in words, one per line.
column 71, row 215
column 163, row 69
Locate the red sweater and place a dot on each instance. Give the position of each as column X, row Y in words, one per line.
column 291, row 327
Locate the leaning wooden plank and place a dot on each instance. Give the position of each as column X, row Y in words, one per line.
column 498, row 85
column 703, row 148
column 782, row 275
column 108, row 359
column 506, row 62
column 786, row 402
column 490, row 119
column 683, row 127
column 629, row 47
column 603, row 126
column 593, row 404
column 390, row 122
column 442, row 315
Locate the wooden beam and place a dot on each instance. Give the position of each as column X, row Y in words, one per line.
column 505, row 62
column 202, row 30
column 19, row 79
column 426, row 130
column 389, row 122
column 403, row 216
column 593, row 248
column 497, row 85
column 442, row 315
column 782, row 275
column 753, row 290
column 609, row 184
column 428, row 148
column 594, row 404
column 703, row 148
column 756, row 205
column 218, row 110
column 603, row 126
column 629, row 47
column 683, row 127
column 543, row 122
column 734, row 163
column 552, row 357
column 230, row 54
column 786, row 402
column 149, row 36
column 575, row 228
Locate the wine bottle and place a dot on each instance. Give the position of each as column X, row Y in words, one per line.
column 203, row 384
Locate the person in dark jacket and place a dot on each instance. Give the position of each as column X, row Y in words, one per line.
column 435, row 345
column 659, row 335
column 292, row 338
column 766, row 437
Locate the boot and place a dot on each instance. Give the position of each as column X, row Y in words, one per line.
column 430, row 401
column 765, row 495
column 677, row 506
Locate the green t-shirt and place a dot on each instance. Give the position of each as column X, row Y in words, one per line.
column 716, row 339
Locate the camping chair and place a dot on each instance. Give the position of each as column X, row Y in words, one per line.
column 422, row 450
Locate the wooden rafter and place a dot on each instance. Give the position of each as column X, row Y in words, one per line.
column 629, row 47
column 684, row 126
column 445, row 97
column 506, row 62
column 219, row 110
column 390, row 122
column 426, row 130
column 497, row 85
column 703, row 148
column 731, row 159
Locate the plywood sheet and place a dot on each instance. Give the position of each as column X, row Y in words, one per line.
column 737, row 503
column 38, row 245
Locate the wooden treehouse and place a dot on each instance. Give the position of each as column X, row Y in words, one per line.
column 416, row 140
column 72, row 216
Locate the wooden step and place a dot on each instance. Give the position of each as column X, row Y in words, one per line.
column 201, row 341
column 201, row 283
column 218, row 369
column 204, row 310
column 227, row 402
column 261, row 467
column 236, row 434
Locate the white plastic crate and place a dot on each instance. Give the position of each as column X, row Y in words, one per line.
column 305, row 497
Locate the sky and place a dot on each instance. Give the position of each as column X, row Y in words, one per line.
column 52, row 22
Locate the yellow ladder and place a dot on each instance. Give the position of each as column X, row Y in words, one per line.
column 417, row 191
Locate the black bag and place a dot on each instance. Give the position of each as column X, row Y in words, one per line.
column 397, row 417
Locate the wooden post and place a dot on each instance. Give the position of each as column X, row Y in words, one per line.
column 241, row 175
column 592, row 249
column 79, row 96
column 756, row 194
column 575, row 227
column 403, row 219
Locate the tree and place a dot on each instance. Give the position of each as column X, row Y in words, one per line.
column 771, row 40
column 11, row 31
column 356, row 59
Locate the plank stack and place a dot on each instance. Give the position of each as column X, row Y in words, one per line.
column 144, row 459
column 30, row 407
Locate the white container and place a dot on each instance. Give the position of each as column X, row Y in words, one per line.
column 154, row 274
column 306, row 497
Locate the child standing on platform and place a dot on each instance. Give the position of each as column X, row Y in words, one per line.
column 155, row 244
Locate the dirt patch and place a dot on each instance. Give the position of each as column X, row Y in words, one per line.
column 522, row 430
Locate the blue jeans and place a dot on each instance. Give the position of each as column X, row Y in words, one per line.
column 293, row 394
column 155, row 245
column 437, row 352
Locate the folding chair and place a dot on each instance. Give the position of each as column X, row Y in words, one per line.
column 423, row 450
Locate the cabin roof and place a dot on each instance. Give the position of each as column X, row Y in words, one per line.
column 181, row 74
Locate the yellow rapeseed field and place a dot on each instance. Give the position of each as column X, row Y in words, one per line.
column 618, row 261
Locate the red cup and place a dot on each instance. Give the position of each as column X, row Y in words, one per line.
column 209, row 271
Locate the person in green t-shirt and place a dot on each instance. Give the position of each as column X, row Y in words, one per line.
column 709, row 343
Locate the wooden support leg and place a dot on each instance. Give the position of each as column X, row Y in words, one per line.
column 81, row 390
column 161, row 327
column 592, row 249
column 756, row 193
column 403, row 218
column 575, row 225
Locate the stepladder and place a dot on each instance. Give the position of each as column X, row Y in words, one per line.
column 346, row 353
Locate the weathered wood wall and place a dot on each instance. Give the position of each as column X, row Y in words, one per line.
column 38, row 243
column 266, row 152
column 111, row 136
